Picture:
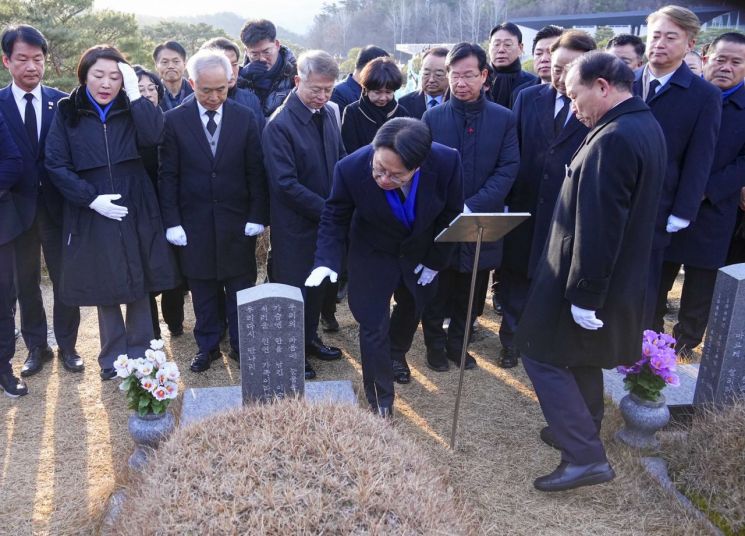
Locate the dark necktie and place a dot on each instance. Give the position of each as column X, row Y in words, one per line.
column 432, row 102
column 561, row 117
column 211, row 125
column 653, row 85
column 318, row 121
column 30, row 122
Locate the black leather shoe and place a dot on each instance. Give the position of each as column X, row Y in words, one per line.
column 310, row 373
column 547, row 436
column 329, row 323
column 437, row 360
column 107, row 373
column 35, row 360
column 12, row 386
column 401, row 371
column 71, row 361
column 569, row 476
column 455, row 358
column 320, row 351
column 496, row 303
column 508, row 357
column 176, row 331
column 201, row 361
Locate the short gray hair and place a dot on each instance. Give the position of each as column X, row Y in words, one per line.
column 317, row 62
column 206, row 58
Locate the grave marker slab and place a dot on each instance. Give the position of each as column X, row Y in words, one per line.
column 271, row 342
column 722, row 373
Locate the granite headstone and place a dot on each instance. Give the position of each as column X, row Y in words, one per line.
column 721, row 376
column 272, row 352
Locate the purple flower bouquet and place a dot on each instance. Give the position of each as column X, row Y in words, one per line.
column 656, row 369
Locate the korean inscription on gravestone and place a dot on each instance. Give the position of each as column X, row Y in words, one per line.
column 270, row 330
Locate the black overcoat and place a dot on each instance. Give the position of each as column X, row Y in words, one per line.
column 359, row 128
column 104, row 261
column 485, row 136
column 597, row 250
column 689, row 110
column 382, row 252
column 705, row 243
column 213, row 198
column 299, row 170
column 543, row 161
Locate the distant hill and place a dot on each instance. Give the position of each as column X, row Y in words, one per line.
column 230, row 22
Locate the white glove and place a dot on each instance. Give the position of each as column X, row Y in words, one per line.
column 104, row 206
column 317, row 276
column 176, row 235
column 586, row 318
column 675, row 224
column 426, row 276
column 130, row 81
column 253, row 229
column 466, row 210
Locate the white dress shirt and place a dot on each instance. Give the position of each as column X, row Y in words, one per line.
column 20, row 97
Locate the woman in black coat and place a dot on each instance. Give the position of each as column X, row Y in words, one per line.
column 115, row 251
column 379, row 79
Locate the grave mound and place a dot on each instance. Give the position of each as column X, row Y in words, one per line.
column 290, row 468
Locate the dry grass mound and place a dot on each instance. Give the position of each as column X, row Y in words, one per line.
column 291, row 468
column 708, row 465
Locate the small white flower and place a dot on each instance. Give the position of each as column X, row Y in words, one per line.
column 161, row 376
column 160, row 358
column 172, row 389
column 121, row 365
column 149, row 384
column 160, row 393
column 146, row 369
column 171, row 371
column 150, row 356
column 157, row 344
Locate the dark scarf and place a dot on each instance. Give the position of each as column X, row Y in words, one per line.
column 505, row 82
column 262, row 82
column 377, row 114
column 404, row 210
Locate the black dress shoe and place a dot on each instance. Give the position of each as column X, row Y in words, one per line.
column 547, row 436
column 401, row 371
column 329, row 323
column 310, row 373
column 320, row 351
column 71, row 361
column 455, row 358
column 35, row 360
column 176, row 331
column 569, row 476
column 12, row 386
column 437, row 360
column 107, row 373
column 508, row 357
column 496, row 303
column 202, row 360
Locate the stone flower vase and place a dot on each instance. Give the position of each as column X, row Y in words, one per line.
column 643, row 419
column 147, row 432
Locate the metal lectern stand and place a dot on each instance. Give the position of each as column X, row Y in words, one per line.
column 477, row 228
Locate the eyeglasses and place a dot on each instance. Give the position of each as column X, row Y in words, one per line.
column 468, row 77
column 396, row 178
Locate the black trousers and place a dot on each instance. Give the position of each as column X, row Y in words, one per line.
column 7, row 306
column 514, row 288
column 382, row 341
column 172, row 307
column 451, row 300
column 205, row 297
column 328, row 302
column 654, row 279
column 695, row 302
column 313, row 298
column 571, row 399
column 128, row 335
column 43, row 234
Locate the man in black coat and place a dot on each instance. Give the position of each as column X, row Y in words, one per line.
column 302, row 144
column 390, row 200
column 11, row 169
column 702, row 247
column 434, row 82
column 349, row 90
column 542, row 43
column 689, row 110
column 485, row 136
column 505, row 49
column 29, row 108
column 549, row 133
column 213, row 199
column 584, row 312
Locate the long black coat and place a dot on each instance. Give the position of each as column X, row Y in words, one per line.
column 35, row 182
column 485, row 136
column 705, row 243
column 689, row 110
column 600, row 239
column 358, row 128
column 299, row 170
column 104, row 261
column 382, row 251
column 213, row 198
column 543, row 161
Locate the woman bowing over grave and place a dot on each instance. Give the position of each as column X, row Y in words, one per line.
column 391, row 199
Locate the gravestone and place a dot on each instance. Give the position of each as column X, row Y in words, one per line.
column 722, row 373
column 271, row 342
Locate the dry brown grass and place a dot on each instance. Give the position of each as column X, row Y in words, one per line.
column 708, row 464
column 291, row 468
